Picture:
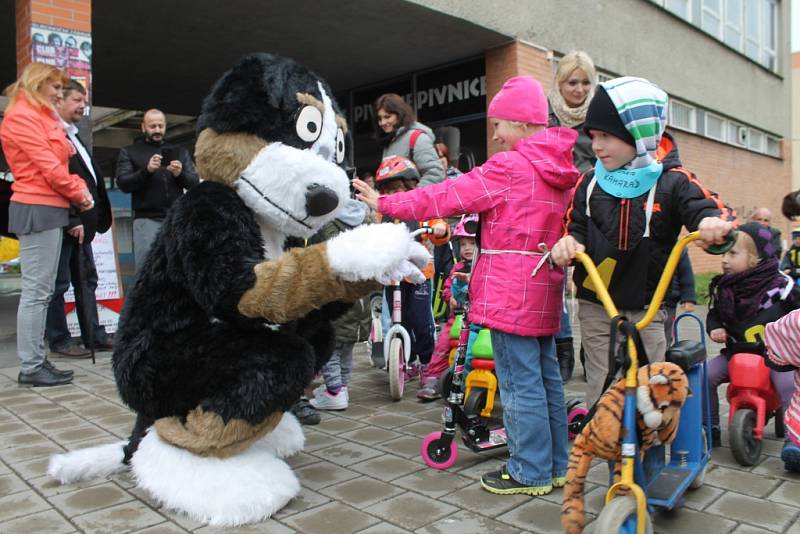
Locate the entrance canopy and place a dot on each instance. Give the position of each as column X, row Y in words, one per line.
column 150, row 53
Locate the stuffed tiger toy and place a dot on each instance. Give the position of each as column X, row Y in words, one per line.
column 663, row 388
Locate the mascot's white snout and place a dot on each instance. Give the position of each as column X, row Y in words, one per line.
column 277, row 182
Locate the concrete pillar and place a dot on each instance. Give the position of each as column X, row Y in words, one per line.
column 62, row 14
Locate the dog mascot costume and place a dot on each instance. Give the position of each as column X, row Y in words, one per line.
column 224, row 328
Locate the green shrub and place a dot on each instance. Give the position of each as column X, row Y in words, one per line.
column 701, row 281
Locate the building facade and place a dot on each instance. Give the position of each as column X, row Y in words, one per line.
column 725, row 64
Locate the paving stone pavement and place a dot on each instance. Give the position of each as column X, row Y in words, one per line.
column 361, row 471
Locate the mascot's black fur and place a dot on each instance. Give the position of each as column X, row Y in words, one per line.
column 224, row 328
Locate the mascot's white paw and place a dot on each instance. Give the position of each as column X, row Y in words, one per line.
column 286, row 439
column 381, row 252
column 245, row 488
column 85, row 464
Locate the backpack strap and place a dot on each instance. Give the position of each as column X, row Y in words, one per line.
column 412, row 141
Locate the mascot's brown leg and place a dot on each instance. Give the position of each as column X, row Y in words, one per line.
column 573, row 513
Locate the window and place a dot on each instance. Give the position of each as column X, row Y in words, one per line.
column 737, row 134
column 733, row 23
column 748, row 26
column 682, row 116
column 711, row 17
column 715, row 127
column 773, row 146
column 756, row 140
column 682, row 8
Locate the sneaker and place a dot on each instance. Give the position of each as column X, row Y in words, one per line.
column 412, row 371
column 306, row 413
column 326, row 401
column 319, row 390
column 501, row 483
column 71, row 351
column 790, row 454
column 716, row 437
column 55, row 370
column 43, row 377
column 559, row 482
column 430, row 390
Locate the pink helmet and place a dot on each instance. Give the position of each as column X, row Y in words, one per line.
column 467, row 226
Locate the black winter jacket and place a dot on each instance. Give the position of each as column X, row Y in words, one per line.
column 680, row 200
column 153, row 193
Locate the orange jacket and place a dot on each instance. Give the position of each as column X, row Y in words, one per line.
column 38, row 151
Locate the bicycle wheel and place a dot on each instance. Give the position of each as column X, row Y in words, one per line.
column 744, row 446
column 397, row 368
column 618, row 512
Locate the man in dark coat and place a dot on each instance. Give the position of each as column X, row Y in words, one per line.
column 76, row 248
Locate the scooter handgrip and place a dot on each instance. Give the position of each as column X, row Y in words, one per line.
column 730, row 240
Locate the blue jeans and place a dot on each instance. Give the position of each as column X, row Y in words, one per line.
column 566, row 326
column 534, row 412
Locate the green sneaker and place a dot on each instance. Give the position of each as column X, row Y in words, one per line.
column 501, row 483
column 559, row 482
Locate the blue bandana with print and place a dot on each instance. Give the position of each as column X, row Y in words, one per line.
column 627, row 183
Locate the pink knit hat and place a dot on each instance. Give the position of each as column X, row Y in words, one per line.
column 520, row 99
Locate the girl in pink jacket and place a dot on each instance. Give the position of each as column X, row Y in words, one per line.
column 521, row 196
column 783, row 348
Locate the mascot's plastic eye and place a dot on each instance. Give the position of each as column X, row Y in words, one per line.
column 339, row 146
column 309, row 124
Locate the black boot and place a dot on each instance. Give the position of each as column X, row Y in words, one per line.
column 566, row 357
column 583, row 363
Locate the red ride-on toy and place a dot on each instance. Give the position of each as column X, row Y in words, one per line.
column 752, row 400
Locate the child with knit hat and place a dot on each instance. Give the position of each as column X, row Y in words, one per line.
column 627, row 213
column 749, row 293
column 520, row 195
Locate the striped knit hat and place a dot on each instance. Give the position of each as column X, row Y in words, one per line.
column 641, row 115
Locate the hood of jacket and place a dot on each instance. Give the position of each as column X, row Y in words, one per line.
column 667, row 152
column 550, row 153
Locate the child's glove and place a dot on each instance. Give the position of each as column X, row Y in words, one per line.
column 382, row 252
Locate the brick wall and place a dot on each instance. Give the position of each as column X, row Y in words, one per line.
column 70, row 14
column 511, row 60
column 744, row 180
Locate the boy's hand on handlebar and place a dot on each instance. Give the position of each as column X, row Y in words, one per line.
column 718, row 335
column 713, row 231
column 366, row 194
column 439, row 230
column 565, row 249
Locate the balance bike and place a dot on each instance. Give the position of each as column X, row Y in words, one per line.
column 654, row 483
column 752, row 399
column 396, row 341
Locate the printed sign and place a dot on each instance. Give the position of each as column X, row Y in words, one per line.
column 69, row 50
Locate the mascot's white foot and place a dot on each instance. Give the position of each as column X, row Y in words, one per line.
column 245, row 488
column 286, row 439
column 381, row 252
column 84, row 464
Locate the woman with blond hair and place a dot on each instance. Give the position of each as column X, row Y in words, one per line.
column 569, row 99
column 38, row 151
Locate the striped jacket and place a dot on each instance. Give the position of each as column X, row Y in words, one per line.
column 783, row 348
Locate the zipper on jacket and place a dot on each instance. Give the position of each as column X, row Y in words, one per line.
column 624, row 210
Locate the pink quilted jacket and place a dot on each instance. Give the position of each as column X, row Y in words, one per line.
column 521, row 196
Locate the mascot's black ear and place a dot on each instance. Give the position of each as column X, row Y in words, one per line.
column 258, row 96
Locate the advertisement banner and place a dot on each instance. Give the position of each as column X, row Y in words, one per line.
column 69, row 50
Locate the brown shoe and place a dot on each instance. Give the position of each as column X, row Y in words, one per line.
column 71, row 351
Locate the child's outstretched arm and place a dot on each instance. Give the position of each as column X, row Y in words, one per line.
column 783, row 340
column 477, row 191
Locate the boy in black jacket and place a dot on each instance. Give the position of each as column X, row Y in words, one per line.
column 627, row 214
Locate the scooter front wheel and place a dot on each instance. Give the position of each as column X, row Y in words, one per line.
column 744, row 445
column 437, row 453
column 617, row 513
column 397, row 368
column 575, row 419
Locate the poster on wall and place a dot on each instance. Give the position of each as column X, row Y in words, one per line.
column 109, row 286
column 69, row 50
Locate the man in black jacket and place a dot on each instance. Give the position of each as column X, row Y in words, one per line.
column 76, row 246
column 156, row 174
